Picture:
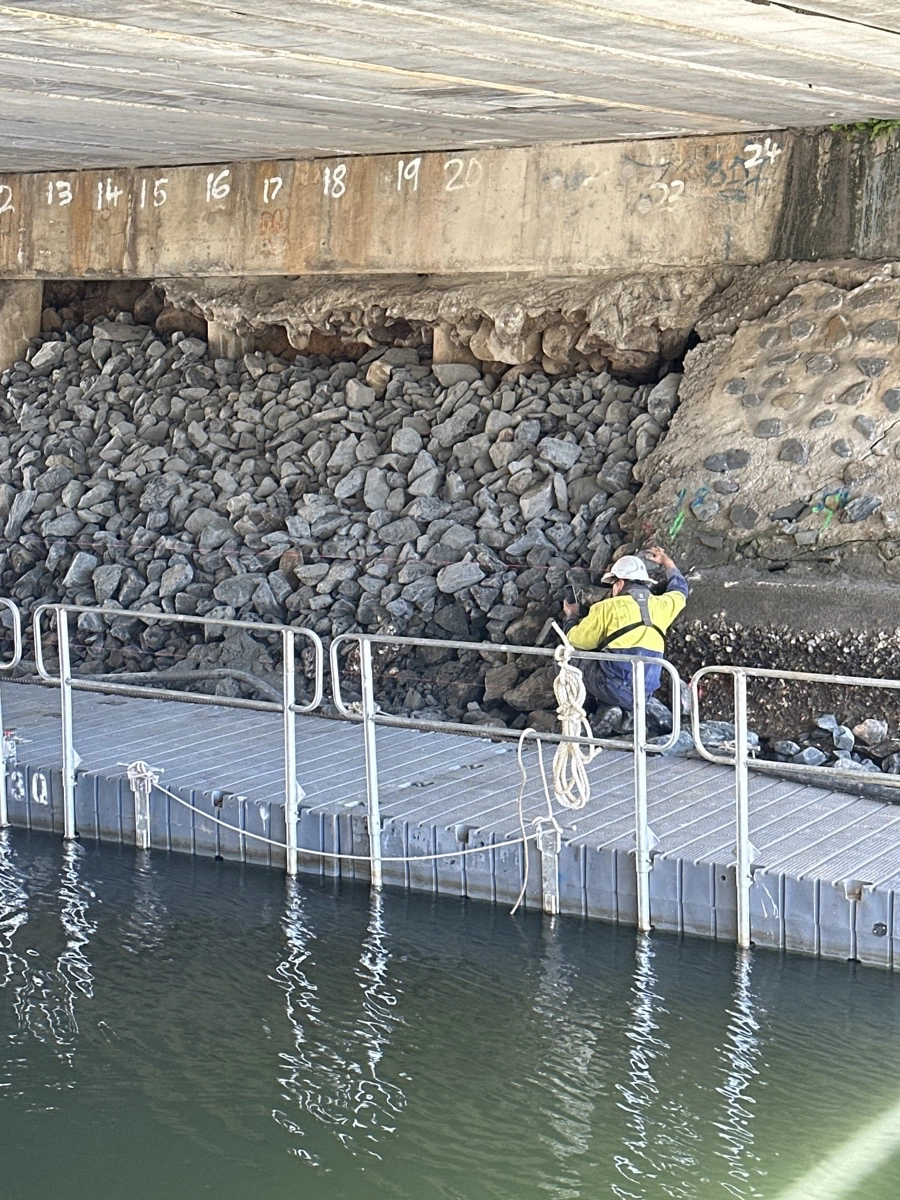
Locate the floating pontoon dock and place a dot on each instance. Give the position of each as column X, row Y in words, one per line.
column 826, row 865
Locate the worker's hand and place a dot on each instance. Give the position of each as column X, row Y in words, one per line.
column 571, row 610
column 659, row 556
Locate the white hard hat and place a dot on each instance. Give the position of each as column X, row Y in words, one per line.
column 629, row 566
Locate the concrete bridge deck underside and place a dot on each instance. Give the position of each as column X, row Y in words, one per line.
column 194, row 81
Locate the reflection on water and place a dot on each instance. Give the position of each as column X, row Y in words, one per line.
column 741, row 1054
column 176, row 1027
column 45, row 987
column 332, row 1073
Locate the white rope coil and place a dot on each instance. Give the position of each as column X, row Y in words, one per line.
column 571, row 786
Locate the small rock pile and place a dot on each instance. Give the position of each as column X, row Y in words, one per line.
column 136, row 471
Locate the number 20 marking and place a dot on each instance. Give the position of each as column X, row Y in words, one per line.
column 463, row 175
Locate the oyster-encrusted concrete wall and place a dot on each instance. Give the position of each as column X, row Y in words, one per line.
column 786, row 443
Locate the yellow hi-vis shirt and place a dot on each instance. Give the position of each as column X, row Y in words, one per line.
column 617, row 612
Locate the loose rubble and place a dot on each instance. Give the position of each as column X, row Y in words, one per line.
column 383, row 494
column 380, row 494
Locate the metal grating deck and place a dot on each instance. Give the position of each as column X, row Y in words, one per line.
column 827, row 863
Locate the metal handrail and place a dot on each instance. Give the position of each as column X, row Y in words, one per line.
column 181, row 618
column 496, row 648
column 288, row 706
column 13, row 609
column 889, row 781
column 644, row 838
column 740, row 760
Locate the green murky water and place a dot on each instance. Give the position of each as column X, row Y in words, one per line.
column 171, row 1028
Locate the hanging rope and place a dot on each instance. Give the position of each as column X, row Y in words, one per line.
column 570, row 779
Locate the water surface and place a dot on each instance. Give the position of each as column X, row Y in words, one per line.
column 180, row 1028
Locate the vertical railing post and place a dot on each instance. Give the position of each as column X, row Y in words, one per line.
column 367, row 684
column 289, row 725
column 4, row 751
column 643, row 836
column 65, row 707
column 743, row 848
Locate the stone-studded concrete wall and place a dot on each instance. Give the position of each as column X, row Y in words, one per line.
column 786, row 444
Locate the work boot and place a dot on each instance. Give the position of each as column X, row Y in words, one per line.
column 606, row 720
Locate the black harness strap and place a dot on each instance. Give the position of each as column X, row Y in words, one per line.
column 641, row 596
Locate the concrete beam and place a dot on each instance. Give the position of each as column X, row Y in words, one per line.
column 559, row 210
column 564, row 210
column 21, row 303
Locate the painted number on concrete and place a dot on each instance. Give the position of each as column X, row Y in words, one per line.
column 271, row 187
column 6, row 199
column 59, row 192
column 108, row 194
column 17, row 786
column 660, row 193
column 462, row 175
column 157, row 193
column 217, row 186
column 761, row 152
column 408, row 174
column 334, row 181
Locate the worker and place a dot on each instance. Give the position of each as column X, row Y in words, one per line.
column 631, row 620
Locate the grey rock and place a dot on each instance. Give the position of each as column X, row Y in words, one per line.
column 447, row 374
column 406, row 441
column 728, row 460
column 820, row 420
column 854, row 394
column 842, row 448
column 861, row 508
column 871, row 731
column 455, row 577
column 376, row 489
column 864, row 425
column 810, row 757
column 784, row 748
column 704, row 507
column 67, row 525
column 80, row 570
column 537, row 501
column 48, row 357
column 175, row 578
column 820, row 364
column 106, row 579
column 770, row 427
column 236, row 591
column 790, row 512
column 843, row 738
column 794, row 451
column 358, row 394
column 559, row 453
column 395, row 533
column 827, row 721
column 19, row 511
column 742, row 516
column 881, row 331
column 872, row 367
